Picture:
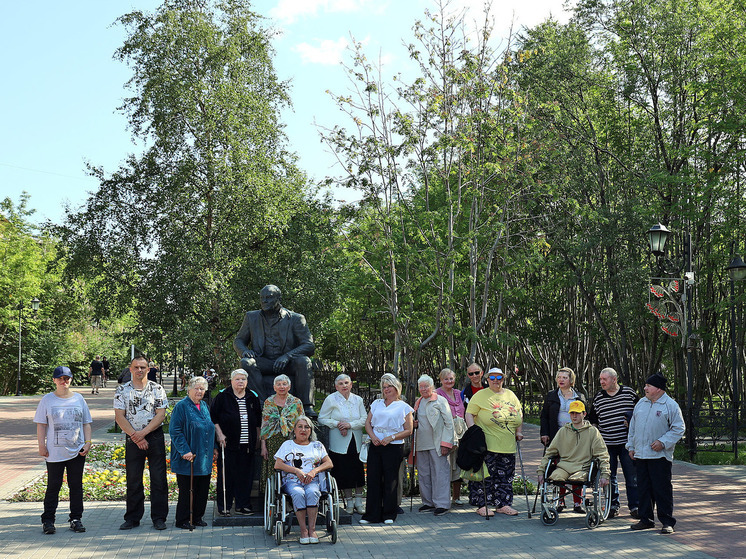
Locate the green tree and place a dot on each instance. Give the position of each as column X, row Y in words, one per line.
column 179, row 232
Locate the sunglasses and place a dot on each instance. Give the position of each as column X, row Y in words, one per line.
column 474, row 373
column 495, row 377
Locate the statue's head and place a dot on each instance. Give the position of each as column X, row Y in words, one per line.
column 270, row 297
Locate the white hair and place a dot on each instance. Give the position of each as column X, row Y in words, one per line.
column 426, row 379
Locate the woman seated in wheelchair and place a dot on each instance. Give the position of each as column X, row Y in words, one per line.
column 302, row 458
column 576, row 444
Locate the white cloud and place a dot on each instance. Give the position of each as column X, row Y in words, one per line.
column 326, row 51
column 289, row 11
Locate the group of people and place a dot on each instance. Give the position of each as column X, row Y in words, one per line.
column 237, row 426
column 621, row 429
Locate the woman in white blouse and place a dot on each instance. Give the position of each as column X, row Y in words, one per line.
column 389, row 422
column 344, row 413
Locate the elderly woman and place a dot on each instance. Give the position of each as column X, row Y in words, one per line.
column 389, row 422
column 434, row 438
column 192, row 446
column 279, row 414
column 344, row 413
column 458, row 409
column 556, row 414
column 498, row 412
column 237, row 415
column 303, row 458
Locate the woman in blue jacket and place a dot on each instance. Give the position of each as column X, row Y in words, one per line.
column 192, row 441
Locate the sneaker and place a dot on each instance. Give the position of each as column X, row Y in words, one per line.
column 77, row 526
column 48, row 528
column 458, row 503
column 244, row 512
column 363, row 521
column 642, row 525
column 129, row 524
column 667, row 530
column 159, row 524
column 560, row 506
column 634, row 514
column 613, row 513
column 388, row 521
column 224, row 513
column 440, row 512
column 578, row 509
column 426, row 508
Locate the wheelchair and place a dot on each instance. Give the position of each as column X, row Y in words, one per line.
column 279, row 514
column 598, row 504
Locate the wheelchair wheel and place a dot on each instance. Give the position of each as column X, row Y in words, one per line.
column 549, row 516
column 278, row 532
column 604, row 502
column 269, row 507
column 333, row 531
column 592, row 519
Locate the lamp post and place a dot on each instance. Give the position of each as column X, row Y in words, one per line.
column 35, row 307
column 657, row 237
column 737, row 272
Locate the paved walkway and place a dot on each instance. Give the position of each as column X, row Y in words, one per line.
column 709, row 502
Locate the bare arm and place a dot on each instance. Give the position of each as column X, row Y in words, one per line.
column 41, row 438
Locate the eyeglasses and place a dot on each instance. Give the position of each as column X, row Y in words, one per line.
column 474, row 373
column 495, row 377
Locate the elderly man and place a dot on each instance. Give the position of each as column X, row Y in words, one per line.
column 657, row 425
column 611, row 410
column 139, row 409
column 273, row 341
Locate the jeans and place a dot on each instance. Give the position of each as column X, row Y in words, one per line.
column 618, row 453
column 55, row 473
column 134, row 460
column 304, row 495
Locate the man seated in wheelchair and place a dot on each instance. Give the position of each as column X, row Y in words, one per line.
column 303, row 458
column 576, row 444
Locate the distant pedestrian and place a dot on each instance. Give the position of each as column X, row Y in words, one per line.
column 107, row 367
column 96, row 370
column 140, row 408
column 63, row 431
column 657, row 425
column 611, row 409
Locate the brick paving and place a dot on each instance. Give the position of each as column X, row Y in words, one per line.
column 708, row 502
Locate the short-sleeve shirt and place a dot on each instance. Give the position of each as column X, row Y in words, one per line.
column 97, row 368
column 64, row 418
column 306, row 457
column 498, row 415
column 140, row 406
column 389, row 420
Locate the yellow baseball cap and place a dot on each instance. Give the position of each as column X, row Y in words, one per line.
column 577, row 406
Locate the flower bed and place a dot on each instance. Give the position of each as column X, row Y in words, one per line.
column 104, row 478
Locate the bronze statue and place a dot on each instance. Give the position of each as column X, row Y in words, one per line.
column 273, row 341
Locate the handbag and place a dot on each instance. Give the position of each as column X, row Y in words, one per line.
column 479, row 475
column 364, row 449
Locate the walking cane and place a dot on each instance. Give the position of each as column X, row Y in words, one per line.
column 523, row 474
column 414, row 464
column 222, row 453
column 191, row 494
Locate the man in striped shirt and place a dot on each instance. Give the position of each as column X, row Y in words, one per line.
column 611, row 410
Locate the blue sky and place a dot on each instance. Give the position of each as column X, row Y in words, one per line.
column 62, row 87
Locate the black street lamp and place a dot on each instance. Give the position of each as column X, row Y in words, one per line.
column 35, row 308
column 657, row 237
column 737, row 272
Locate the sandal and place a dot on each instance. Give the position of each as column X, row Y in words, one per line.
column 510, row 511
column 483, row 511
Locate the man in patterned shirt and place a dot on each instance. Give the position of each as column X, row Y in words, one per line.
column 139, row 409
column 611, row 410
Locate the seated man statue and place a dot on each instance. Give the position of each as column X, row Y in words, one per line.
column 577, row 444
column 273, row 341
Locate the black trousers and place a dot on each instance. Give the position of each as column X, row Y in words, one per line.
column 199, row 499
column 55, row 473
column 239, row 477
column 134, row 460
column 383, row 482
column 654, row 487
